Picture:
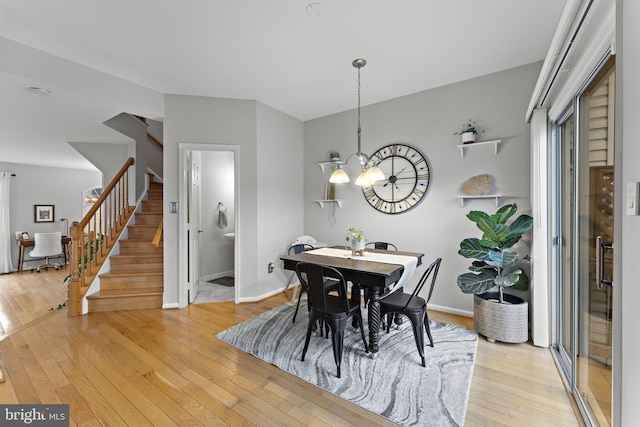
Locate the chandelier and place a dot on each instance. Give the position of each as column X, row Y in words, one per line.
column 370, row 172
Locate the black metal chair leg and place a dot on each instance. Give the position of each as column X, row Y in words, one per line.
column 417, row 324
column 426, row 326
column 306, row 341
column 297, row 307
column 364, row 340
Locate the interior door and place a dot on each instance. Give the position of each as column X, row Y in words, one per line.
column 194, row 228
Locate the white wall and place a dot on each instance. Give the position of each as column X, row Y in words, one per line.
column 191, row 119
column 627, row 290
column 216, row 251
column 45, row 186
column 427, row 120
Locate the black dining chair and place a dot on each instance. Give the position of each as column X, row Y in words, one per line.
column 413, row 306
column 333, row 310
column 304, row 288
column 381, row 245
column 296, row 249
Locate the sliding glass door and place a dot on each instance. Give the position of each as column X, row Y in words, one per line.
column 585, row 223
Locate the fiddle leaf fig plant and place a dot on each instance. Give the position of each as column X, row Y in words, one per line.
column 495, row 265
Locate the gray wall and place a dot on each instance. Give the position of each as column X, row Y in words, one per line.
column 137, row 131
column 192, row 119
column 155, row 153
column 628, row 152
column 427, row 120
column 45, row 186
column 106, row 157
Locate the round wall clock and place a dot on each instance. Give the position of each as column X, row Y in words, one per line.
column 407, row 179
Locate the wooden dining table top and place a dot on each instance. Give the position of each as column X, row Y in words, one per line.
column 364, row 271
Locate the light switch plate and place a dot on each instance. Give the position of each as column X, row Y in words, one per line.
column 631, row 204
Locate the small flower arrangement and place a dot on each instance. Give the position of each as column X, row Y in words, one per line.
column 469, row 127
column 354, row 234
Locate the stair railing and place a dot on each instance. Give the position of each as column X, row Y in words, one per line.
column 156, row 238
column 93, row 237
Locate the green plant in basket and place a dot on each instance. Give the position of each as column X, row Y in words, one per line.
column 495, row 265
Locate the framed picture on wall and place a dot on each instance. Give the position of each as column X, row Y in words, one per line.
column 43, row 213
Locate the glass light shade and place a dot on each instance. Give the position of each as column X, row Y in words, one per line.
column 363, row 181
column 339, row 177
column 374, row 174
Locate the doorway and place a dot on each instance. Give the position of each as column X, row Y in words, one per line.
column 585, row 221
column 208, row 223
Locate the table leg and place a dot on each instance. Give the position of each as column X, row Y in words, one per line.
column 355, row 299
column 20, row 258
column 374, row 319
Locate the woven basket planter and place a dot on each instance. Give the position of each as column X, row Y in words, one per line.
column 501, row 322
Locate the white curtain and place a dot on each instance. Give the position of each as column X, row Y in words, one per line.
column 5, row 227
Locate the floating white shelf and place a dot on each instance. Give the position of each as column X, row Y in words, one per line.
column 323, row 165
column 488, row 196
column 495, row 142
column 323, row 202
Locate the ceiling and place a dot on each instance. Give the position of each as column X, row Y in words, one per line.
column 99, row 58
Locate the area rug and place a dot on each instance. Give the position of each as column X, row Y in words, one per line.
column 394, row 385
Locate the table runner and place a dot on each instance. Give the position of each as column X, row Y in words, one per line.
column 408, row 262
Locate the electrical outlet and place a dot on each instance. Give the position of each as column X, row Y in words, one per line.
column 270, row 267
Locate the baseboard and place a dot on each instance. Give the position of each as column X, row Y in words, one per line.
column 263, row 296
column 444, row 309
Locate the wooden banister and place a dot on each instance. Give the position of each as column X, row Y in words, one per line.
column 93, row 237
column 156, row 238
column 154, row 139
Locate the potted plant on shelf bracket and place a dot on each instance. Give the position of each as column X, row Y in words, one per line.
column 468, row 132
column 497, row 315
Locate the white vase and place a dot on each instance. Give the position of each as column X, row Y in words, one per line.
column 468, row 137
column 357, row 246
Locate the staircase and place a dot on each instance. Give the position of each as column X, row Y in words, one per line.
column 136, row 279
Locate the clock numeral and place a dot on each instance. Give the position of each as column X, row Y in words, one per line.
column 368, row 193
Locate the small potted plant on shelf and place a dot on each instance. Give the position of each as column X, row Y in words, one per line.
column 357, row 241
column 469, row 132
column 497, row 315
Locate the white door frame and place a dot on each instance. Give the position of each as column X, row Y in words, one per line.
column 183, row 149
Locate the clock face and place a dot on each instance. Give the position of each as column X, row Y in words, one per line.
column 406, row 179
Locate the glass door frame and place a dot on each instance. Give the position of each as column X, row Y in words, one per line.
column 565, row 361
column 568, row 363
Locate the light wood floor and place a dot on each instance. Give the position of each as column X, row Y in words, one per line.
column 163, row 367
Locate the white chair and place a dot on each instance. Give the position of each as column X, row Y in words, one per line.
column 47, row 245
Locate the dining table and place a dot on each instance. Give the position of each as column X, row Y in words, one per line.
column 375, row 270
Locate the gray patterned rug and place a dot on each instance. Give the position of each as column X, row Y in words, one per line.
column 394, row 385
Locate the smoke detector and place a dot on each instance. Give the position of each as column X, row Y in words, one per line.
column 314, row 10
